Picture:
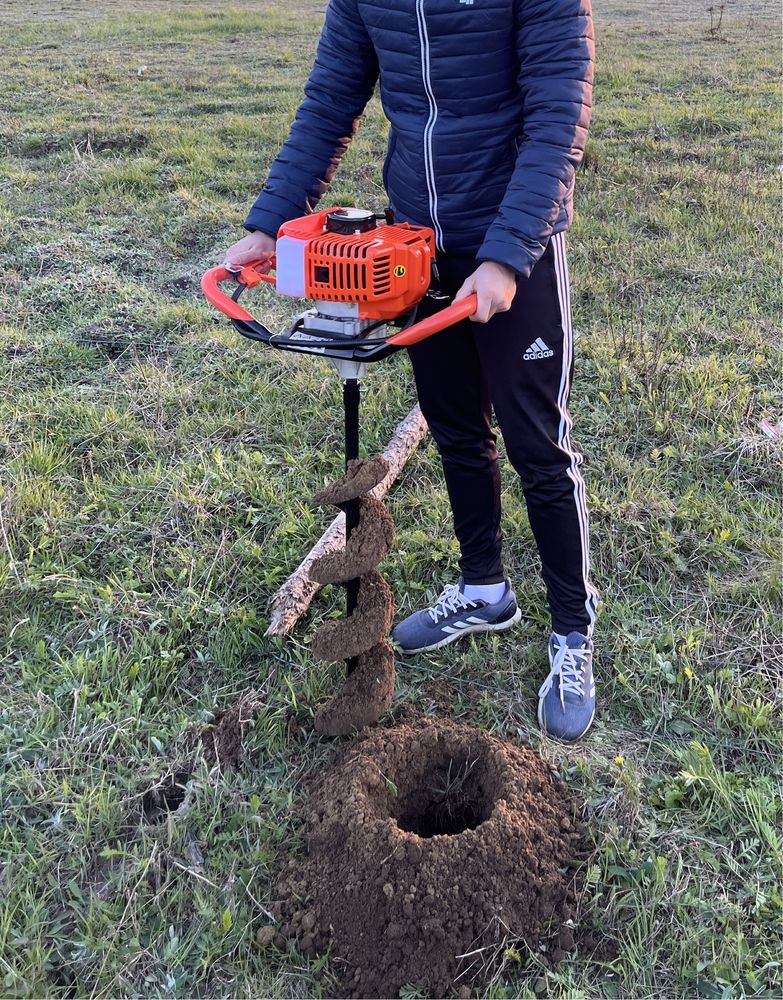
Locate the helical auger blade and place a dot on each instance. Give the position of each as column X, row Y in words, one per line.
column 367, row 692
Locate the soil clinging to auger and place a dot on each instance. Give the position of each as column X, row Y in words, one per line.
column 365, row 695
column 368, row 545
column 361, row 476
column 370, row 622
column 367, row 692
column 431, row 846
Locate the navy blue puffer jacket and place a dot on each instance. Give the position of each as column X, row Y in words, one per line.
column 488, row 103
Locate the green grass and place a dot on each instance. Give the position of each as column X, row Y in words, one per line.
column 154, row 492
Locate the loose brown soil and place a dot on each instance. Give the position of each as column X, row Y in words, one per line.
column 431, row 846
column 222, row 740
column 440, row 694
column 370, row 622
column 369, row 543
column 365, row 695
column 361, row 477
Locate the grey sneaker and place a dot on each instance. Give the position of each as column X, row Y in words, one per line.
column 453, row 616
column 566, row 699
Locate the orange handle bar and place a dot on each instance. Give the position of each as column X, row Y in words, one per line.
column 210, row 286
column 434, row 324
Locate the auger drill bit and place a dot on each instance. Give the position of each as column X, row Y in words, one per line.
column 360, row 638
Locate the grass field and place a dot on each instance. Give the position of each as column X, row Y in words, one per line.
column 156, row 470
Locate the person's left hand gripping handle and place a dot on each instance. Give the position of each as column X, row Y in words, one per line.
column 495, row 286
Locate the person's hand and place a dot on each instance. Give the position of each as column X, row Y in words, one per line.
column 256, row 246
column 495, row 286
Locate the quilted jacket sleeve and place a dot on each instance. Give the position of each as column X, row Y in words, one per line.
column 555, row 48
column 340, row 84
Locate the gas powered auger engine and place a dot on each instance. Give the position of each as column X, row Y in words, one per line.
column 363, row 276
column 365, row 273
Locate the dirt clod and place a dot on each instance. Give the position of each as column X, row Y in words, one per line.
column 566, row 939
column 427, row 841
column 439, row 694
column 365, row 695
column 370, row 622
column 266, row 935
column 222, row 739
column 368, row 545
column 360, row 478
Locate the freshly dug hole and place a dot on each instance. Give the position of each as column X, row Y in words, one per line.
column 453, row 797
column 428, row 841
column 166, row 794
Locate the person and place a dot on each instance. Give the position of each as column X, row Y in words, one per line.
column 488, row 103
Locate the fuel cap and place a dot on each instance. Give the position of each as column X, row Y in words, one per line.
column 349, row 221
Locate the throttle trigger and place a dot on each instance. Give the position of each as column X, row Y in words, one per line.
column 250, row 277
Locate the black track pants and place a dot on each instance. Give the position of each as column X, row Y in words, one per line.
column 520, row 363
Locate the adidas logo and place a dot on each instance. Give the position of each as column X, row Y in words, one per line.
column 537, row 350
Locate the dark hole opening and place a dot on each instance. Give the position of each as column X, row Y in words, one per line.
column 450, row 799
column 165, row 796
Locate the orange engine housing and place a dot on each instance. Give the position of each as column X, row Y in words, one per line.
column 385, row 270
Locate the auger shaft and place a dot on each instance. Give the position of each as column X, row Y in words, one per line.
column 351, row 397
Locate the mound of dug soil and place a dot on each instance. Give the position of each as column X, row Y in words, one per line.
column 426, row 843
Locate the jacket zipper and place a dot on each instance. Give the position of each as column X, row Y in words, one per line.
column 429, row 168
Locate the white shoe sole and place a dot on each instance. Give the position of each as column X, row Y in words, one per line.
column 500, row 627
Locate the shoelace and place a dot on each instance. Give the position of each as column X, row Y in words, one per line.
column 452, row 599
column 569, row 665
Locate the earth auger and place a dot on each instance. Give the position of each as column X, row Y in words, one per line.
column 365, row 273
